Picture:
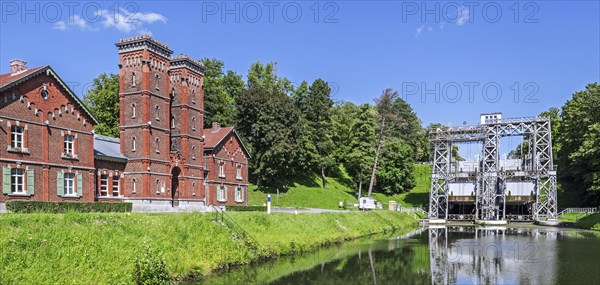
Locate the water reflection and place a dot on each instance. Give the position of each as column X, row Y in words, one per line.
column 442, row 255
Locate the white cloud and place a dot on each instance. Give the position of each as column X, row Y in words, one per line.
column 123, row 21
column 463, row 15
column 127, row 22
column 60, row 25
column 419, row 30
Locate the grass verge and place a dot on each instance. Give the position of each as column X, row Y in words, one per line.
column 591, row 222
column 100, row 248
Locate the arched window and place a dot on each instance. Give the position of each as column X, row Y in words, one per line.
column 157, row 186
column 157, row 81
column 157, row 111
column 193, row 96
column 193, row 123
column 172, row 122
column 133, row 110
column 157, row 141
column 193, row 188
column 193, row 152
column 133, row 79
column 133, row 146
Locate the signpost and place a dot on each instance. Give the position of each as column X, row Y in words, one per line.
column 268, row 203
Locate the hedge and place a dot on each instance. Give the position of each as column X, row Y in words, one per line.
column 246, row 208
column 63, row 207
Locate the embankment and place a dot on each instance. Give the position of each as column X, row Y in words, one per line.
column 100, row 248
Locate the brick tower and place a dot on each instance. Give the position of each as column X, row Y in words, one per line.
column 187, row 143
column 145, row 113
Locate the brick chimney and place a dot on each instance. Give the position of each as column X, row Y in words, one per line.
column 17, row 66
column 216, row 126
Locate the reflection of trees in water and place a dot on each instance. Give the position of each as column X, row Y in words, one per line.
column 402, row 262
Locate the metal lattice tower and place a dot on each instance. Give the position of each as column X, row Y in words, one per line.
column 491, row 179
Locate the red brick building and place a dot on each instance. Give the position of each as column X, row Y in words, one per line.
column 162, row 159
column 226, row 164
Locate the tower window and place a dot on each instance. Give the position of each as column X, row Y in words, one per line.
column 194, row 152
column 157, row 111
column 157, row 141
column 157, row 81
column 133, row 182
column 133, row 79
column 133, row 146
column 133, row 110
column 193, row 123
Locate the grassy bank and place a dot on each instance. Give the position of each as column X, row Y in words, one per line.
column 97, row 248
column 591, row 222
column 309, row 194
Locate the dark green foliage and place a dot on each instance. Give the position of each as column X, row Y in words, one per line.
column 220, row 91
column 361, row 147
column 103, row 101
column 247, row 208
column 579, row 140
column 269, row 124
column 16, row 206
column 150, row 268
column 395, row 172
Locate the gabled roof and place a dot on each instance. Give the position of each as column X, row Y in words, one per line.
column 108, row 148
column 9, row 80
column 214, row 137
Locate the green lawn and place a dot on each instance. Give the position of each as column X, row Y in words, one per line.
column 591, row 222
column 309, row 194
column 100, row 248
column 571, row 217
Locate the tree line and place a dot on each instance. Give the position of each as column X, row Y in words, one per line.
column 294, row 131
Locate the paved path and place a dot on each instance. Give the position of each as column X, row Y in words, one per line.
column 304, row 210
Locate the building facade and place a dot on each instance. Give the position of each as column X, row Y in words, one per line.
column 161, row 159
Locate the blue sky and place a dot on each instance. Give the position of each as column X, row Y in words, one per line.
column 547, row 50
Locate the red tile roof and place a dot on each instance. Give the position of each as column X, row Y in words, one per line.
column 7, row 78
column 212, row 137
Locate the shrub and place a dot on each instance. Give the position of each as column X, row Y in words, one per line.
column 151, row 268
column 247, row 208
column 63, row 207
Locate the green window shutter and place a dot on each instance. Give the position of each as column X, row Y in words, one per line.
column 30, row 182
column 60, row 183
column 79, row 184
column 6, row 180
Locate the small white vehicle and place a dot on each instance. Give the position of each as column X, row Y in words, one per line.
column 366, row 203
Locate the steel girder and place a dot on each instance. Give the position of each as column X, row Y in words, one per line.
column 490, row 200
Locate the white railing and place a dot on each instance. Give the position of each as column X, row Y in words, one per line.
column 578, row 210
column 412, row 209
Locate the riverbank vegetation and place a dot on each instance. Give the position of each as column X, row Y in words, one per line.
column 591, row 222
column 101, row 248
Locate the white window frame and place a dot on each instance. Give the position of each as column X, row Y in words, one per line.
column 239, row 194
column 17, row 181
column 222, row 193
column 104, row 185
column 238, row 175
column 221, row 169
column 116, row 182
column 16, row 135
column 69, row 184
column 68, row 145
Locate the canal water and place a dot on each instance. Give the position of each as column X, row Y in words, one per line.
column 441, row 255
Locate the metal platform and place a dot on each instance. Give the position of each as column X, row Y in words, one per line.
column 491, row 184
